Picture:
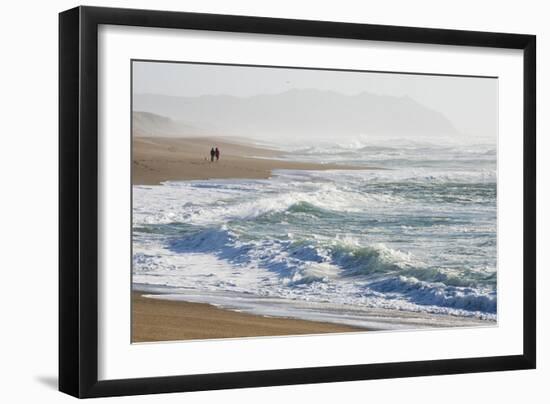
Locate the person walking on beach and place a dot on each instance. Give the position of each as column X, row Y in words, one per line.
column 212, row 154
column 217, row 151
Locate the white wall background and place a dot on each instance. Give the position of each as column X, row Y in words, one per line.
column 28, row 205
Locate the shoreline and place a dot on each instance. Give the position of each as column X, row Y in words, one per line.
column 155, row 320
column 184, row 319
column 159, row 159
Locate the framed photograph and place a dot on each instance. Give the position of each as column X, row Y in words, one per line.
column 249, row 201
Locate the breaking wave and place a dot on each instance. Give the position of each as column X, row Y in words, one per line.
column 420, row 238
column 377, row 268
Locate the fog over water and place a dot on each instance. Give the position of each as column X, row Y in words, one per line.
column 259, row 100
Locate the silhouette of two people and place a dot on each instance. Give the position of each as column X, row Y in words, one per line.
column 214, row 153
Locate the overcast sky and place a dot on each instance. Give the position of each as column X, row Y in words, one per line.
column 471, row 104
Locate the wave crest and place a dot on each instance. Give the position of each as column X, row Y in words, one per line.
column 378, row 268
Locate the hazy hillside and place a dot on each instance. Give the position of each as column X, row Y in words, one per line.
column 147, row 124
column 295, row 112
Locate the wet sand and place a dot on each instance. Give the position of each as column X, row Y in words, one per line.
column 168, row 320
column 158, row 159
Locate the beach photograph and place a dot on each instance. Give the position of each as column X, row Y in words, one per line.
column 278, row 201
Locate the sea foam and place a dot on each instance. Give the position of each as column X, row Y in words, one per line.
column 418, row 237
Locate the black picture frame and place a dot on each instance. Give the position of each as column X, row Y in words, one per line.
column 78, row 201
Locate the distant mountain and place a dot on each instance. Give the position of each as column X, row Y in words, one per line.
column 299, row 112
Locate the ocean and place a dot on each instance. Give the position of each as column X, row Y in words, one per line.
column 412, row 245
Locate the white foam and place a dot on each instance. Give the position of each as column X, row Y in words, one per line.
column 415, row 240
column 215, row 262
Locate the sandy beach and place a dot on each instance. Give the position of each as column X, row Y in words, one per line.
column 157, row 159
column 166, row 320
